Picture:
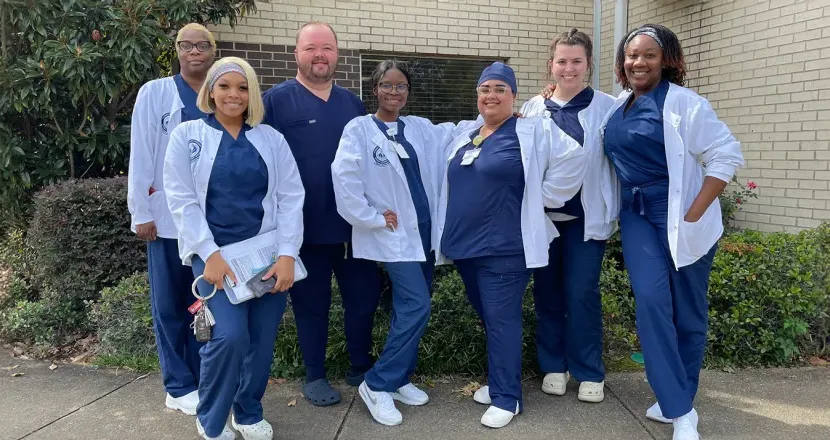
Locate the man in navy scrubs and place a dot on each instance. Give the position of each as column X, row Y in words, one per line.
column 311, row 112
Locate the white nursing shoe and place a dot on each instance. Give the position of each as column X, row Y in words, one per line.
column 685, row 427
column 482, row 395
column 261, row 430
column 498, row 418
column 656, row 414
column 555, row 383
column 226, row 434
column 186, row 404
column 593, row 392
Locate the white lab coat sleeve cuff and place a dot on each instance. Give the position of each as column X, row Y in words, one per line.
column 206, row 249
column 289, row 250
column 141, row 218
column 726, row 177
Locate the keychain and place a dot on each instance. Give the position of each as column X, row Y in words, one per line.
column 203, row 320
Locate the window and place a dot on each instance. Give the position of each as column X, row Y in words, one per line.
column 443, row 89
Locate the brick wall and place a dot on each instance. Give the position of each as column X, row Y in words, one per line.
column 274, row 63
column 765, row 67
column 516, row 30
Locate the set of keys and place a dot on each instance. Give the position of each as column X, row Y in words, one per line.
column 203, row 320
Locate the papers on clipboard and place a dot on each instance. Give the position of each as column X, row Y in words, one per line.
column 248, row 257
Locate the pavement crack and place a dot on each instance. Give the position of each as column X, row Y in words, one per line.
column 345, row 416
column 631, row 411
column 82, row 407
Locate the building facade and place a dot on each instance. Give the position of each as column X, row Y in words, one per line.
column 764, row 65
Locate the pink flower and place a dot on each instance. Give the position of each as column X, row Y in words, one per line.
column 751, row 185
column 738, row 200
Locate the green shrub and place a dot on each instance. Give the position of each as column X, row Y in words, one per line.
column 122, row 318
column 81, row 239
column 47, row 322
column 768, row 298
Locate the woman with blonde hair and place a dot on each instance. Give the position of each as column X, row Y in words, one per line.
column 230, row 178
column 161, row 105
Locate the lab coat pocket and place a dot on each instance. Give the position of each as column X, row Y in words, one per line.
column 158, row 204
column 696, row 235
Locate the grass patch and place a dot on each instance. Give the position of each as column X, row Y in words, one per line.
column 140, row 364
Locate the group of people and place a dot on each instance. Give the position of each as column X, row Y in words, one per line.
column 215, row 162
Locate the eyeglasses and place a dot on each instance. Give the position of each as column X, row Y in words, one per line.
column 201, row 46
column 387, row 88
column 485, row 90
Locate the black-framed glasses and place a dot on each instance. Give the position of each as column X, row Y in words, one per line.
column 387, row 88
column 201, row 46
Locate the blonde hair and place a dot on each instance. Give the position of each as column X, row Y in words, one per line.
column 256, row 108
column 196, row 27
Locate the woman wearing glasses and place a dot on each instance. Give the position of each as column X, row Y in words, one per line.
column 386, row 175
column 491, row 221
column 162, row 105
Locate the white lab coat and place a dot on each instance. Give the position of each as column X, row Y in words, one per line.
column 600, row 186
column 156, row 113
column 369, row 179
column 698, row 144
column 187, row 168
column 554, row 167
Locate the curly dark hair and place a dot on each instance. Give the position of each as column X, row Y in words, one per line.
column 574, row 37
column 674, row 64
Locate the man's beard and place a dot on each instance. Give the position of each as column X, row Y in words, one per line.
column 309, row 75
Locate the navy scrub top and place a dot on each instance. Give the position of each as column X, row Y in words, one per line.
column 634, row 140
column 312, row 127
column 236, row 188
column 188, row 96
column 484, row 206
column 411, row 169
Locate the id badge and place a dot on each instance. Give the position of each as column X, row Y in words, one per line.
column 392, row 131
column 470, row 156
column 401, row 151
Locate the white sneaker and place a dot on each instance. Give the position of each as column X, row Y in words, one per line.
column 497, row 417
column 685, row 427
column 226, row 434
column 555, row 383
column 261, row 430
column 482, row 395
column 186, row 404
column 591, row 391
column 381, row 405
column 656, row 414
column 410, row 395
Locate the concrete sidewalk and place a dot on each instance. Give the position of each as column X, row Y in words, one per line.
column 77, row 402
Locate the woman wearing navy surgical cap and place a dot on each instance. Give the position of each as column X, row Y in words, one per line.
column 672, row 157
column 491, row 222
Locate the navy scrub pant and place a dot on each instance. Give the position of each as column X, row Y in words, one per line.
column 569, row 306
column 359, row 283
column 672, row 308
column 236, row 362
column 495, row 287
column 411, row 306
column 170, row 296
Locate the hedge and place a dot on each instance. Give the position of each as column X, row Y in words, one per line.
column 769, row 305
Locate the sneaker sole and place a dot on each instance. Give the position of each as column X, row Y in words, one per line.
column 590, row 398
column 236, row 427
column 400, row 398
column 368, row 402
column 555, row 391
column 659, row 419
column 177, row 407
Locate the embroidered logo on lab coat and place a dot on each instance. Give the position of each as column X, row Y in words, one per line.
column 380, row 158
column 165, row 119
column 195, row 149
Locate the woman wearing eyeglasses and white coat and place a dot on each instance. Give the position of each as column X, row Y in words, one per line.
column 498, row 179
column 387, row 174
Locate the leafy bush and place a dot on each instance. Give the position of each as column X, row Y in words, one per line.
column 46, row 322
column 80, row 237
column 69, row 74
column 733, row 198
column 122, row 318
